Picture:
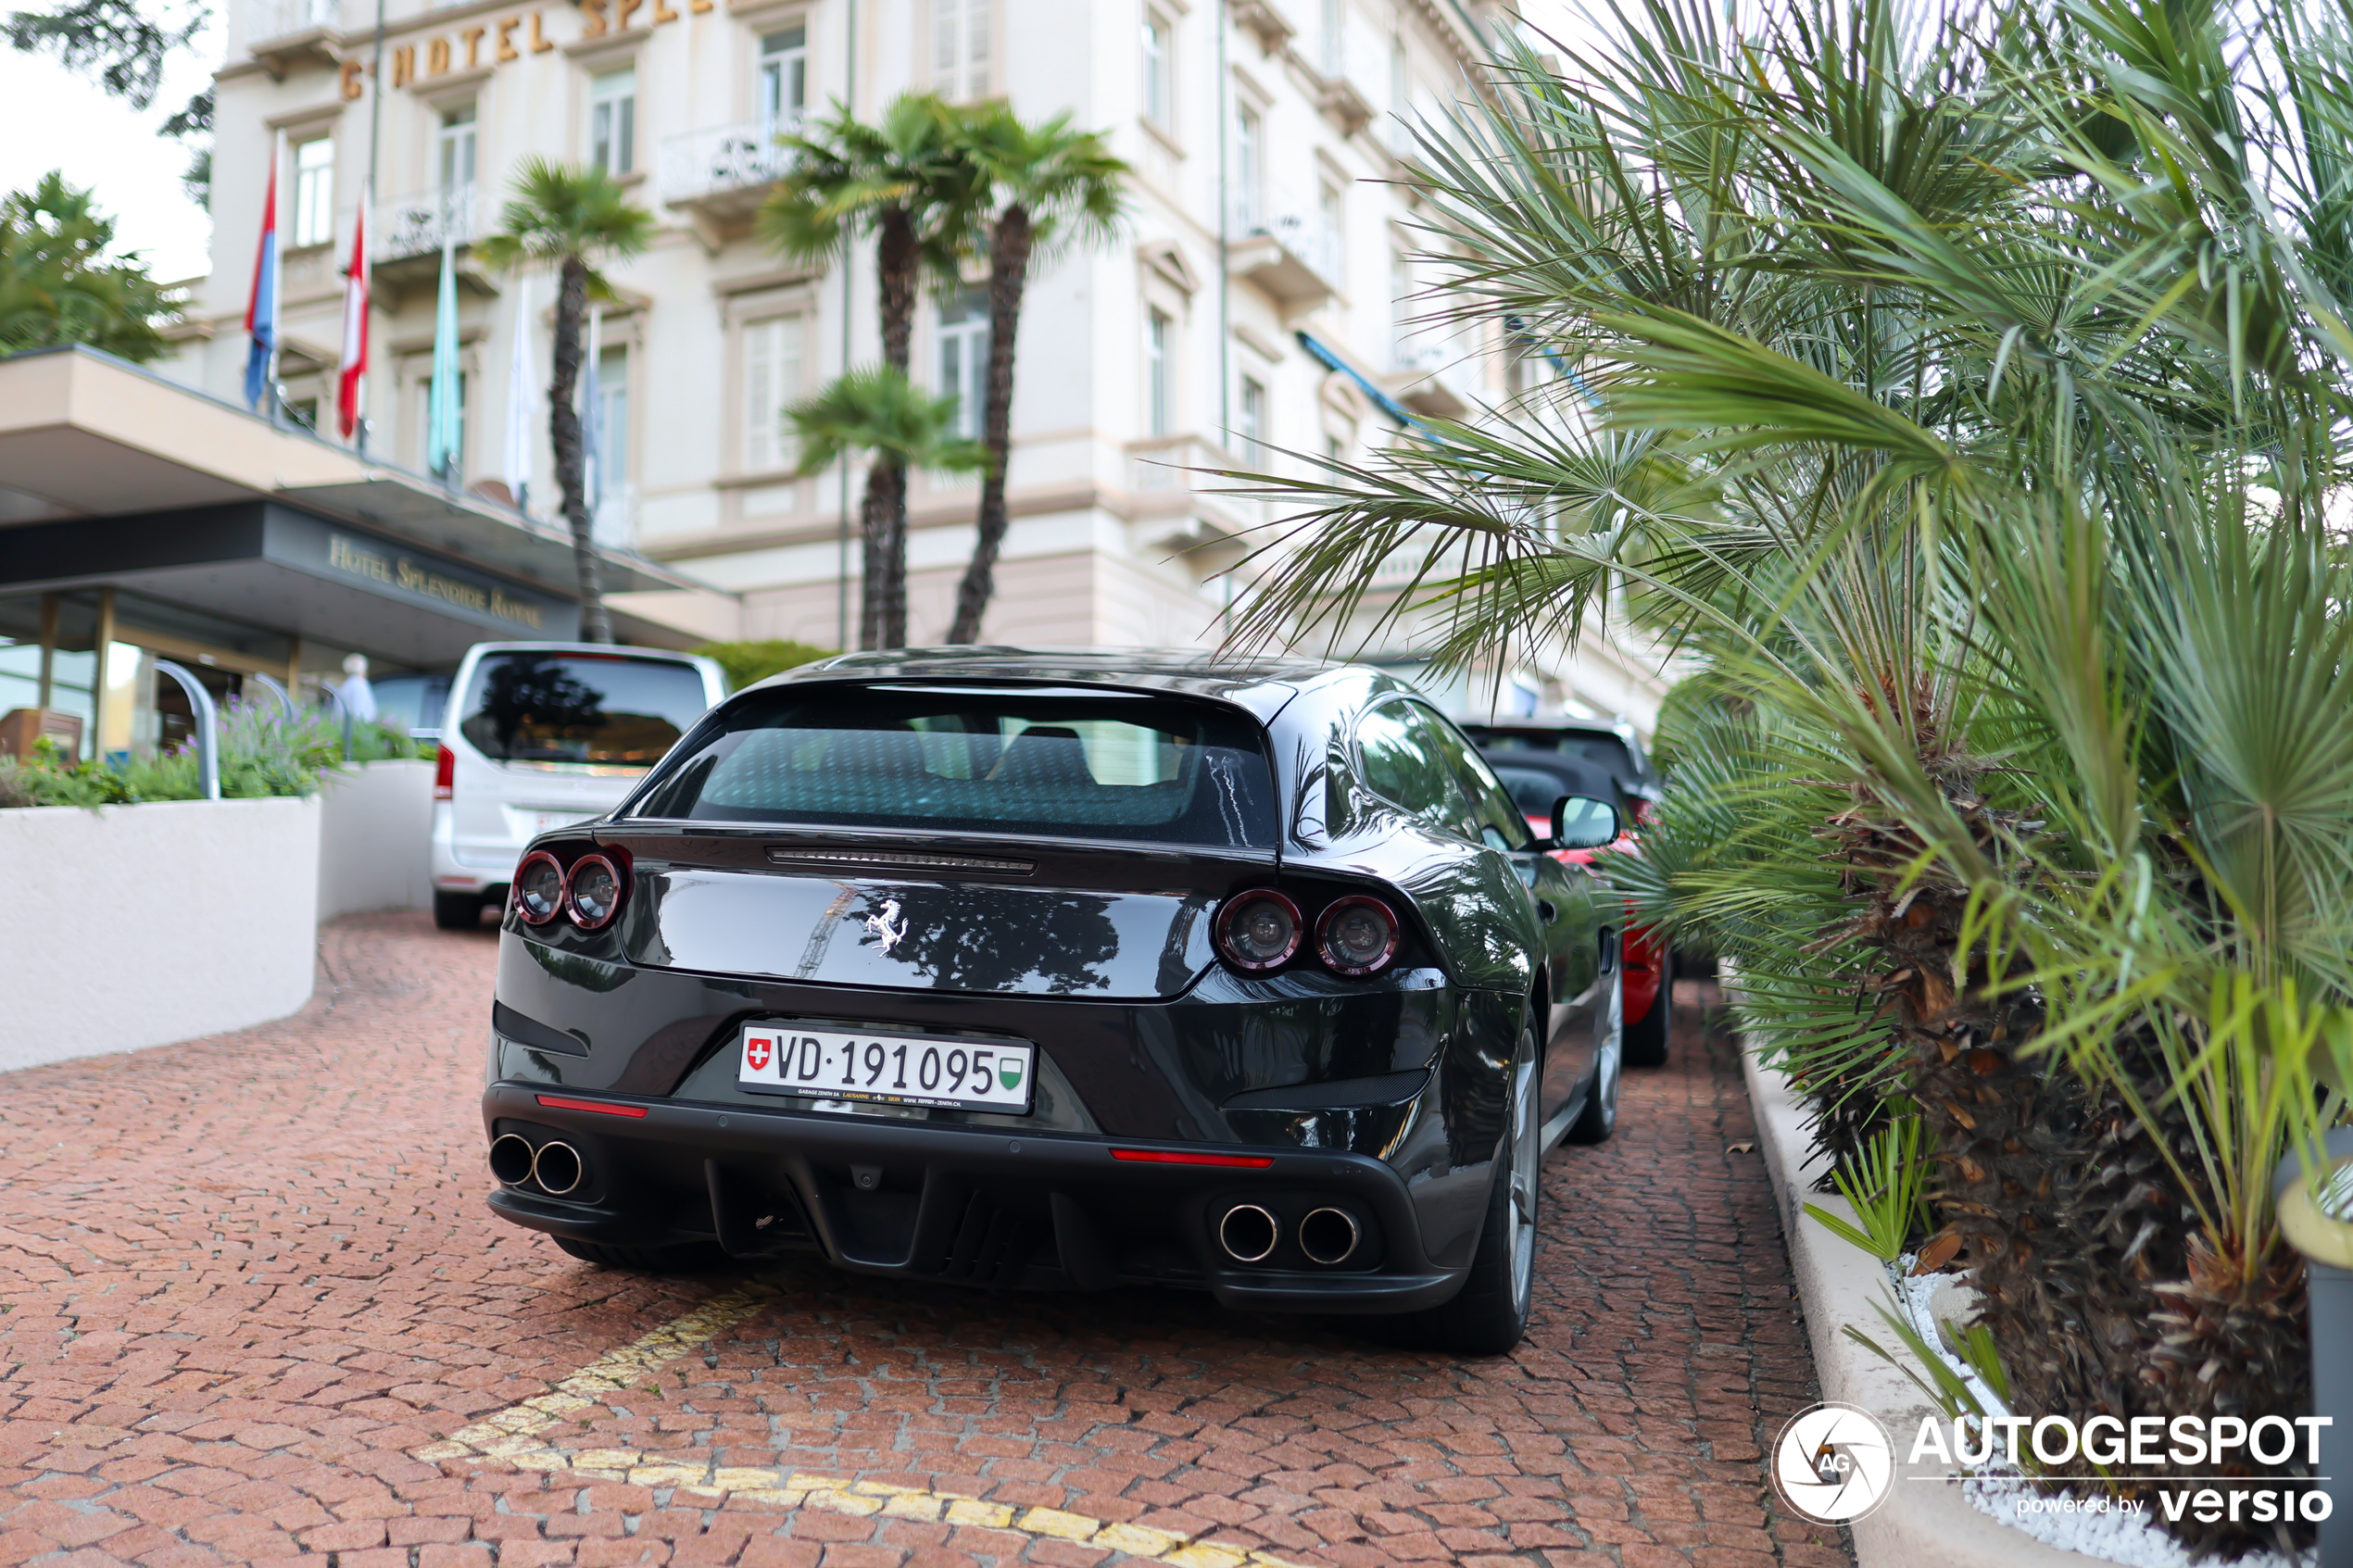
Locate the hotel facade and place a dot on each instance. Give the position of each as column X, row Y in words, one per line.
column 1256, row 300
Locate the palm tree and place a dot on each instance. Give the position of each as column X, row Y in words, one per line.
column 879, row 410
column 908, row 181
column 59, row 286
column 1968, row 389
column 1051, row 186
column 568, row 216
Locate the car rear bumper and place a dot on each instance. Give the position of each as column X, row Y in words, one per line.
column 985, row 1206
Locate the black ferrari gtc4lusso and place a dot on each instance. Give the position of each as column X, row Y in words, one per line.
column 1066, row 969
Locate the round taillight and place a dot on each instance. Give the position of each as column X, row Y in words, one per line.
column 1357, row 936
column 539, row 888
column 1258, row 931
column 594, row 892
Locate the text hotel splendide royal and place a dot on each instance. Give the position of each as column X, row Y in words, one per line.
column 344, row 555
column 496, row 42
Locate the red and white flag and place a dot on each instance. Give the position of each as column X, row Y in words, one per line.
column 355, row 324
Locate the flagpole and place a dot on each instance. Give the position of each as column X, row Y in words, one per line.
column 277, row 281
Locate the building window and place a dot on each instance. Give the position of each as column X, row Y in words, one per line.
column 314, row 191
column 1331, row 207
column 1253, row 419
column 963, row 359
column 959, row 48
column 1160, row 97
column 1248, row 167
column 612, row 121
column 612, row 415
column 457, row 149
column 1157, row 347
column 772, row 383
column 784, row 79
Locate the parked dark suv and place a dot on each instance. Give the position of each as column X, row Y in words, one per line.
column 1541, row 760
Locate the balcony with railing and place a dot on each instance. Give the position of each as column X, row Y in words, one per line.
column 277, row 29
column 723, row 173
column 1435, row 376
column 1353, row 62
column 418, row 226
column 1285, row 247
column 1174, row 481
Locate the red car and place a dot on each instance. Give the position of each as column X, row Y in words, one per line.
column 1541, row 759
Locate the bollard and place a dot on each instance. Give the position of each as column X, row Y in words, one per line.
column 207, row 727
column 2316, row 1215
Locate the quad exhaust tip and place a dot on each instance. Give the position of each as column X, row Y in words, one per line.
column 510, row 1158
column 1249, row 1233
column 1329, row 1236
column 558, row 1168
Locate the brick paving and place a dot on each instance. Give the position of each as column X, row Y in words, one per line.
column 243, row 1280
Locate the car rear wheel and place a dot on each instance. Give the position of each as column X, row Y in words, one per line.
column 457, row 911
column 1646, row 1036
column 688, row 1258
column 1490, row 1314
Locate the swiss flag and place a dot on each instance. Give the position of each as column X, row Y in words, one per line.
column 756, row 1050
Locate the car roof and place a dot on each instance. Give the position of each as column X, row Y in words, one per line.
column 1262, row 683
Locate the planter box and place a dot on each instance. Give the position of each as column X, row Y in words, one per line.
column 130, row 926
column 1926, row 1518
column 372, row 838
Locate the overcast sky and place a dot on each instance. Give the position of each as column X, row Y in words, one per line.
column 55, row 118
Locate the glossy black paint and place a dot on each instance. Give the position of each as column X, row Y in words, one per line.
column 1383, row 1095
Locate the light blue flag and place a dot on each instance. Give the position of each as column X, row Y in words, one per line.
column 444, row 410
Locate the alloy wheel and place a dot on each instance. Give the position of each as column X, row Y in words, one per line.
column 1526, row 1159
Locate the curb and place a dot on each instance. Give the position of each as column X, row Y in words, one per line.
column 1926, row 1520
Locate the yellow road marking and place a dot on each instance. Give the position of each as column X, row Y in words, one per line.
column 509, row 1435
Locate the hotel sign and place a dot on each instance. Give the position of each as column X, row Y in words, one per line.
column 497, row 41
column 423, row 577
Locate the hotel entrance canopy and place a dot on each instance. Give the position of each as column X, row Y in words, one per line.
column 112, row 476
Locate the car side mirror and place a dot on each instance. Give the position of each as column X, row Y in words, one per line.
column 1580, row 821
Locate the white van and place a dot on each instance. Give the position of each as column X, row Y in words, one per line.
column 537, row 735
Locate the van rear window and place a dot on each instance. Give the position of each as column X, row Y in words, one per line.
column 1056, row 763
column 607, row 710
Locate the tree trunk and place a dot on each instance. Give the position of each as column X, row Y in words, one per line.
column 563, row 435
column 885, row 501
column 1008, row 249
column 898, row 261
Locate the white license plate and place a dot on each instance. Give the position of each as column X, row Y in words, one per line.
column 888, row 1069
column 547, row 821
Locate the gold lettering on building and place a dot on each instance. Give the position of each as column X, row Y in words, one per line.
column 507, row 50
column 404, row 65
column 352, row 71
column 344, row 555
column 437, row 57
column 539, row 45
column 628, row 9
column 592, row 19
column 663, row 13
column 472, row 35
column 597, row 17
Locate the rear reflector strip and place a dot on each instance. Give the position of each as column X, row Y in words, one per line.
column 1172, row 1156
column 603, row 1107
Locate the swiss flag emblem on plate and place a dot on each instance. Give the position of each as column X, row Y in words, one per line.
column 756, row 1048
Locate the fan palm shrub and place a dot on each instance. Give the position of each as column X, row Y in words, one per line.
column 1966, row 390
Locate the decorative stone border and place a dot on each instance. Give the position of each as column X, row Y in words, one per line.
column 1927, row 1520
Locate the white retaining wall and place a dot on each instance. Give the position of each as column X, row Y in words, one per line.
column 372, row 838
column 130, row 926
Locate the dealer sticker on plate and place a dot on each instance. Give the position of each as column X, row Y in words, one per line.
column 888, row 1069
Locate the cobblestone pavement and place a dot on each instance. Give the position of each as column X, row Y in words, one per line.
column 243, row 1282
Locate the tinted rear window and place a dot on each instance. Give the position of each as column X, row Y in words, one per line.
column 608, row 710
column 1532, row 792
column 1606, row 752
column 1055, row 764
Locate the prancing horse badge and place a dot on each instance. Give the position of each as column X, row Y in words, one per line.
column 889, row 927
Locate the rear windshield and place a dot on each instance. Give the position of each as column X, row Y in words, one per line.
column 608, row 710
column 1532, row 792
column 1606, row 752
column 1082, row 764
